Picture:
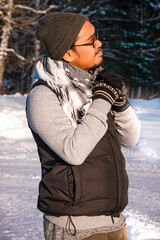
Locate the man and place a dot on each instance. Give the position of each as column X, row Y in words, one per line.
column 79, row 118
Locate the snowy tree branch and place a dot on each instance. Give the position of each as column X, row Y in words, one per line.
column 127, row 20
column 152, row 19
column 114, row 19
column 151, row 50
column 3, row 51
column 34, row 10
column 157, row 40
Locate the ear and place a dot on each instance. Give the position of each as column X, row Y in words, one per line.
column 68, row 57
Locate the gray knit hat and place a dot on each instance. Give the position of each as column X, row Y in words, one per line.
column 58, row 31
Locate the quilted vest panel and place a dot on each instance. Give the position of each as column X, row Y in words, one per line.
column 98, row 186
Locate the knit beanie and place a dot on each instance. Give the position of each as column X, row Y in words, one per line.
column 58, row 31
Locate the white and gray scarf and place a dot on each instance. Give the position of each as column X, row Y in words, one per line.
column 72, row 85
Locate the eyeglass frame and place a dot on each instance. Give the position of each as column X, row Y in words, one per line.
column 95, row 37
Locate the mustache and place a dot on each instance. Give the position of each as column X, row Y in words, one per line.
column 99, row 50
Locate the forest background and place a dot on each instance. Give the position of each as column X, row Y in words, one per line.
column 129, row 31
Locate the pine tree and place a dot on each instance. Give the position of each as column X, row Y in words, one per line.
column 131, row 33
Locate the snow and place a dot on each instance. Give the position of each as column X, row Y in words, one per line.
column 20, row 174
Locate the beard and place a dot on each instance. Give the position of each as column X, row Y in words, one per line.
column 96, row 66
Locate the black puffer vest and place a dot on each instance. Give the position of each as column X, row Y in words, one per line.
column 98, row 186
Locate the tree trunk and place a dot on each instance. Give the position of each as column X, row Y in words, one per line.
column 37, row 43
column 5, row 38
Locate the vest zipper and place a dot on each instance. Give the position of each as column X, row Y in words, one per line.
column 115, row 211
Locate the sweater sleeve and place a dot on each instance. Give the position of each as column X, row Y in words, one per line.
column 128, row 127
column 47, row 118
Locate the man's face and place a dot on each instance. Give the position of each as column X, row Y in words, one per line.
column 89, row 56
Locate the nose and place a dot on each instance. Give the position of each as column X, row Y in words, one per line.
column 97, row 43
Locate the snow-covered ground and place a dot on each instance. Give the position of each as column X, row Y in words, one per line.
column 20, row 174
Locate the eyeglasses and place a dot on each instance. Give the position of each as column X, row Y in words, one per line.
column 95, row 38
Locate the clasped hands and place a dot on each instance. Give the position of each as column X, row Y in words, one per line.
column 111, row 88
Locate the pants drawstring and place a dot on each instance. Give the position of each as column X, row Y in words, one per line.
column 68, row 227
column 112, row 219
column 114, row 215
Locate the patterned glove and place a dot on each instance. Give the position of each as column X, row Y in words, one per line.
column 120, row 105
column 105, row 91
column 110, row 78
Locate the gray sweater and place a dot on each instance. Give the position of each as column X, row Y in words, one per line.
column 47, row 118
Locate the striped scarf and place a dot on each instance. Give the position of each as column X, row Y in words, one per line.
column 72, row 85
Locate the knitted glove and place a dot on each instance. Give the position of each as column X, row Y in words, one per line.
column 110, row 78
column 105, row 91
column 120, row 105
